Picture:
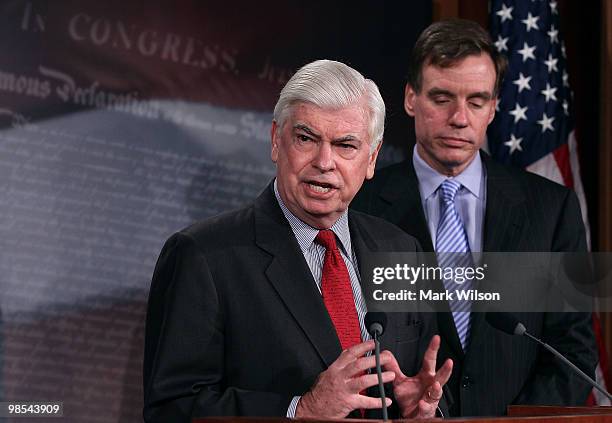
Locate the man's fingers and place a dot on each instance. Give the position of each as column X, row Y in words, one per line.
column 444, row 372
column 353, row 353
column 360, row 383
column 429, row 359
column 433, row 394
column 428, row 405
column 337, row 390
column 362, row 364
column 370, row 402
column 392, row 365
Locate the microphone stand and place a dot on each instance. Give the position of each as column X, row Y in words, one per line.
column 572, row 365
column 381, row 386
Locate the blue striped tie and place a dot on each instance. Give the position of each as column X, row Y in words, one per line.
column 452, row 238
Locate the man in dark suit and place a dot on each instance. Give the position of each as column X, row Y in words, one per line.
column 259, row 312
column 453, row 82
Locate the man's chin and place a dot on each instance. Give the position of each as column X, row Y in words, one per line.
column 319, row 217
column 458, row 159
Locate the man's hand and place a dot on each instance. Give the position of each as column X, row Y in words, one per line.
column 418, row 396
column 337, row 390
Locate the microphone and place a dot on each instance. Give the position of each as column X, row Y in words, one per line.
column 375, row 322
column 508, row 323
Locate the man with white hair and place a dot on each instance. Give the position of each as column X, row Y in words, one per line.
column 259, row 312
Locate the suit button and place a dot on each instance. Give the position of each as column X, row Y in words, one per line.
column 466, row 382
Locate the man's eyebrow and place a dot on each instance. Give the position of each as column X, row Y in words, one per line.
column 306, row 128
column 312, row 133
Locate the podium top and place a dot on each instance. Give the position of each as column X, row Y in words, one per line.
column 517, row 414
column 546, row 410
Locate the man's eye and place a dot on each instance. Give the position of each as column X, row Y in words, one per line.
column 347, row 146
column 440, row 100
column 303, row 138
column 476, row 105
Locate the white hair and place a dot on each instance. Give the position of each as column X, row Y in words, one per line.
column 331, row 84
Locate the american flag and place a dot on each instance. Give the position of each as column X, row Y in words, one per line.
column 534, row 126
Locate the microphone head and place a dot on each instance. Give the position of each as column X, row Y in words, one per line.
column 375, row 321
column 520, row 329
column 506, row 322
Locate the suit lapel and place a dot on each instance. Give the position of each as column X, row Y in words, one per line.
column 505, row 212
column 504, row 226
column 290, row 276
column 405, row 207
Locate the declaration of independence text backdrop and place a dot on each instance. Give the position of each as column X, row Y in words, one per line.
column 122, row 122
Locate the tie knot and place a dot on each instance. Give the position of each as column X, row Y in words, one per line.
column 326, row 238
column 448, row 190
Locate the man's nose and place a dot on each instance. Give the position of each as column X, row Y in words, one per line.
column 459, row 115
column 324, row 158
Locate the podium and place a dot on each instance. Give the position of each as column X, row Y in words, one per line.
column 516, row 414
column 545, row 410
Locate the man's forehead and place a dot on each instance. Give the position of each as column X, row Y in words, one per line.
column 445, row 62
column 308, row 114
column 308, row 107
column 475, row 72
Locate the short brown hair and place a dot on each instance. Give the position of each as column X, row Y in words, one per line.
column 446, row 42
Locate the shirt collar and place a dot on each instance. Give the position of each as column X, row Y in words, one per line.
column 430, row 179
column 305, row 234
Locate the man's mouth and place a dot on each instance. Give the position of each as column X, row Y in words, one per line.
column 455, row 139
column 320, row 187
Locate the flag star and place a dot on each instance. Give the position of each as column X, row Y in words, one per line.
column 546, row 123
column 551, row 64
column 505, row 13
column 527, row 52
column 565, row 79
column 522, row 82
column 531, row 22
column 566, row 107
column 563, row 50
column 500, row 44
column 553, row 7
column 519, row 113
column 514, row 143
column 549, row 93
column 553, row 34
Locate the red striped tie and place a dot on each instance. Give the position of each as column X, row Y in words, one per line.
column 337, row 292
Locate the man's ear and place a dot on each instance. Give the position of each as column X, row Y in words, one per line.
column 492, row 111
column 409, row 100
column 275, row 137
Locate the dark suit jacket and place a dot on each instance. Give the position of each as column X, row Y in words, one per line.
column 235, row 323
column 524, row 212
